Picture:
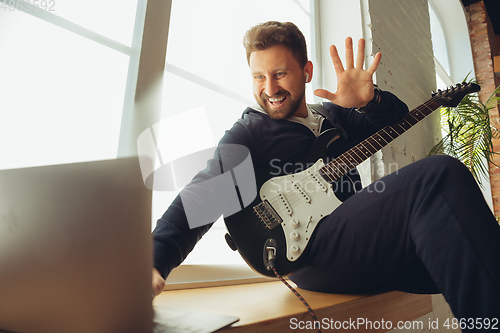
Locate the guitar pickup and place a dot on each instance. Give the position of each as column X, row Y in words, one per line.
column 318, row 181
column 301, row 191
column 267, row 215
column 284, row 204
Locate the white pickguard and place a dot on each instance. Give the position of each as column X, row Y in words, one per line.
column 301, row 200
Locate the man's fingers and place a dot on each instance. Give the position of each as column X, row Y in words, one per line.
column 337, row 63
column 158, row 283
column 349, row 53
column 158, row 287
column 323, row 93
column 360, row 59
column 375, row 63
column 349, row 56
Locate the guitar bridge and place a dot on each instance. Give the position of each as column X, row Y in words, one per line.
column 267, row 215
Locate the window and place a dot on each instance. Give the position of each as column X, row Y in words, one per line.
column 440, row 48
column 450, row 41
column 64, row 78
column 207, row 85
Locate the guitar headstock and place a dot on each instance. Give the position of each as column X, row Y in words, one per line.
column 452, row 96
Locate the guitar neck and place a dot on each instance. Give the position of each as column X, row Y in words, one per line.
column 366, row 148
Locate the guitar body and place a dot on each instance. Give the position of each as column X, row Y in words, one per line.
column 297, row 203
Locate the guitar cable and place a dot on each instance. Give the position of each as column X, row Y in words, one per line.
column 271, row 252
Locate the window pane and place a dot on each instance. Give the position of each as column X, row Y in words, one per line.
column 207, row 69
column 62, row 94
column 111, row 18
column 439, row 41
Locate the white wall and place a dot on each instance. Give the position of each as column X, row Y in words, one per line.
column 401, row 31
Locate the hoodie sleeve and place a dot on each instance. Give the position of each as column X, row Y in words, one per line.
column 173, row 238
column 359, row 126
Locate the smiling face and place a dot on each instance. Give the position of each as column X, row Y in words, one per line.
column 279, row 82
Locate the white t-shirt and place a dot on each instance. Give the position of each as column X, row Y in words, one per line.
column 313, row 121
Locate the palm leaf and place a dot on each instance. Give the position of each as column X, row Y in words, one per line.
column 468, row 133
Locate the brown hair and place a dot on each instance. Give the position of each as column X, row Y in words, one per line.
column 271, row 33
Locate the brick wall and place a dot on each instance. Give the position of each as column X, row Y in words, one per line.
column 401, row 32
column 485, row 46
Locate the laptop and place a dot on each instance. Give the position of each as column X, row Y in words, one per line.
column 76, row 252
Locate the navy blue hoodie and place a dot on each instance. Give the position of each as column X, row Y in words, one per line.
column 268, row 141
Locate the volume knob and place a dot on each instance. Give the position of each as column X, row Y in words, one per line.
column 294, row 224
column 294, row 249
column 294, row 236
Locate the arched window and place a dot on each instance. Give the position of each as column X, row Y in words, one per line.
column 440, row 49
column 450, row 40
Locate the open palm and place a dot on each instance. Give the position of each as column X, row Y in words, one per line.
column 354, row 83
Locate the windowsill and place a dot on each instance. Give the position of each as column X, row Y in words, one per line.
column 271, row 307
column 203, row 276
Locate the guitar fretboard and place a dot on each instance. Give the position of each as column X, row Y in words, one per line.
column 366, row 148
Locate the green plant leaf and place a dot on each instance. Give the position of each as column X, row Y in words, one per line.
column 468, row 133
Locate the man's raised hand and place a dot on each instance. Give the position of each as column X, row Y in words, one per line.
column 354, row 83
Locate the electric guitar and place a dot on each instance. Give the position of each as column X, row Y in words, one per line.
column 283, row 218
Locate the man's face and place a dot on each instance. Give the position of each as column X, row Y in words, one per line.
column 278, row 82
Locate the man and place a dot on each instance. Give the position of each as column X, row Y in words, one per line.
column 428, row 231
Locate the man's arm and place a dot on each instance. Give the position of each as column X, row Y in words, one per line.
column 173, row 237
column 359, row 126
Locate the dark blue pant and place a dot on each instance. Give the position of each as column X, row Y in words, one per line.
column 423, row 229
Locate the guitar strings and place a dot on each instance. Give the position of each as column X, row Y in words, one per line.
column 389, row 131
column 293, row 196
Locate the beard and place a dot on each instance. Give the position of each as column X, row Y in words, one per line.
column 287, row 110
